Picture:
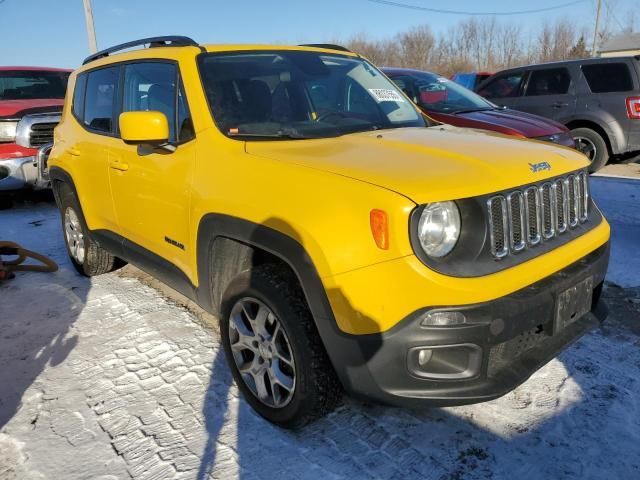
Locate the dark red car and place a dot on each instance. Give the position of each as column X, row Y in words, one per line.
column 31, row 100
column 450, row 103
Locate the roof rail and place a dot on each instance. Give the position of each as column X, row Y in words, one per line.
column 328, row 46
column 166, row 41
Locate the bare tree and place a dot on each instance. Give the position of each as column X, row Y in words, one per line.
column 477, row 44
column 510, row 48
column 416, row 47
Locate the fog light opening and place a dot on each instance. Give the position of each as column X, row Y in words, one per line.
column 446, row 362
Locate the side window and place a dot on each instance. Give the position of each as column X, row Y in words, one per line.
column 152, row 86
column 608, row 77
column 156, row 86
column 552, row 81
column 503, row 86
column 78, row 97
column 480, row 77
column 99, row 100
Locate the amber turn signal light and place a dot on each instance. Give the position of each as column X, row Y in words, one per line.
column 380, row 228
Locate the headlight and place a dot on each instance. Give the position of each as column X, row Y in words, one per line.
column 562, row 138
column 439, row 228
column 8, row 131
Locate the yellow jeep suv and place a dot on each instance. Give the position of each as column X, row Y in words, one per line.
column 345, row 241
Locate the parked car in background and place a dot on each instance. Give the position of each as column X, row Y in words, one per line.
column 470, row 80
column 31, row 100
column 447, row 102
column 598, row 99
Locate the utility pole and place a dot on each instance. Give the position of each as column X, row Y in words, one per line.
column 91, row 32
column 595, row 31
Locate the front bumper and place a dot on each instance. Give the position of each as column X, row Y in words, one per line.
column 17, row 173
column 513, row 338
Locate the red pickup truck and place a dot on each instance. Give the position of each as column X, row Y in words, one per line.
column 31, row 100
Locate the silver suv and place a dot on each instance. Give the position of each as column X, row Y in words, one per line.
column 598, row 99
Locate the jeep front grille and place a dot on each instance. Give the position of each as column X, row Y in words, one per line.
column 36, row 129
column 524, row 218
column 41, row 134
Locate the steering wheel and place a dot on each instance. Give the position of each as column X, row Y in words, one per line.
column 330, row 113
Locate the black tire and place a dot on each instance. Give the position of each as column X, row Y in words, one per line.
column 317, row 390
column 96, row 260
column 587, row 136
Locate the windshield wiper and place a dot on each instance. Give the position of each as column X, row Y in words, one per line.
column 472, row 110
column 292, row 135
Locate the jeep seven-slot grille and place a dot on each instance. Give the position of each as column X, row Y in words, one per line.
column 41, row 134
column 524, row 218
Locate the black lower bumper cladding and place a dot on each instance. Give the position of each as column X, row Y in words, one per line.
column 510, row 338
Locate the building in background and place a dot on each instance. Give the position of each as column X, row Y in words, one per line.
column 621, row 45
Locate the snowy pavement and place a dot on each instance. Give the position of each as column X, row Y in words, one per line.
column 110, row 378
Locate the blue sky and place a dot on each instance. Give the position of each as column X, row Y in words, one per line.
column 52, row 32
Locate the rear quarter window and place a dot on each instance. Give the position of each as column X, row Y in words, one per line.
column 608, row 77
column 78, row 97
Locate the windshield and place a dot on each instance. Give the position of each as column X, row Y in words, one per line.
column 300, row 94
column 440, row 95
column 32, row 84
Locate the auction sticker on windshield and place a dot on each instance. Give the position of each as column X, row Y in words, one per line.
column 385, row 95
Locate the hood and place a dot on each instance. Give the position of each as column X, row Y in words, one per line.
column 512, row 122
column 427, row 164
column 20, row 108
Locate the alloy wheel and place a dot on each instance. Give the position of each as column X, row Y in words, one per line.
column 73, row 234
column 262, row 352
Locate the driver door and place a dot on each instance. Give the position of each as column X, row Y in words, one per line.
column 151, row 189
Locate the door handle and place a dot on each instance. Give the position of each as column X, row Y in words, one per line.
column 560, row 105
column 118, row 165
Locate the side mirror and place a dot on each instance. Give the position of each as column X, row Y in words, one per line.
column 145, row 128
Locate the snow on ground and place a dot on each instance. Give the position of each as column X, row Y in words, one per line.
column 619, row 200
column 109, row 379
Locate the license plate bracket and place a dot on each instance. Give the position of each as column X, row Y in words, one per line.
column 573, row 303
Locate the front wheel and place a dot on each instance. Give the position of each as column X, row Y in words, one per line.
column 591, row 144
column 274, row 350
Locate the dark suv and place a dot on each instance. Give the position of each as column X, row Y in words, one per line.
column 598, row 99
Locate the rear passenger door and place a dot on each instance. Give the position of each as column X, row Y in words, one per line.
column 549, row 92
column 504, row 89
column 152, row 188
column 94, row 108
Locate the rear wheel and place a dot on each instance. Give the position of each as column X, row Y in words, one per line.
column 274, row 350
column 591, row 144
column 86, row 256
